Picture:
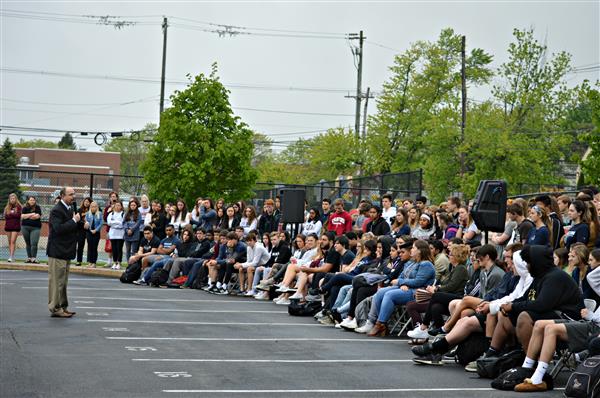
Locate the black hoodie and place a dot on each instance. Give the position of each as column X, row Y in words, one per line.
column 552, row 289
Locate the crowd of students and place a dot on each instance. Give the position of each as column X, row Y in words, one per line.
column 527, row 286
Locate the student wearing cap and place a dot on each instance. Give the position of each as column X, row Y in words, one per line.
column 425, row 228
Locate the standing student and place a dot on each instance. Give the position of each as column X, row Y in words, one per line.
column 62, row 240
column 116, row 233
column 131, row 224
column 12, row 226
column 81, row 233
column 31, row 226
column 113, row 197
column 93, row 226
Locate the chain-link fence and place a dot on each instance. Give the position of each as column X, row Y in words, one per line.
column 401, row 186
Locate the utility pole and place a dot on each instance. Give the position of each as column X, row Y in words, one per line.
column 364, row 126
column 463, row 78
column 165, row 25
column 358, row 97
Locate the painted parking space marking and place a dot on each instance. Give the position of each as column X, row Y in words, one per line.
column 251, row 360
column 97, row 313
column 184, row 310
column 214, row 323
column 115, row 329
column 83, row 302
column 162, row 300
column 243, row 339
column 172, row 374
column 347, row 391
column 129, row 348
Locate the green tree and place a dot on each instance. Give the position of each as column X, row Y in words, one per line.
column 36, row 143
column 201, row 148
column 133, row 149
column 67, row 142
column 9, row 178
column 590, row 165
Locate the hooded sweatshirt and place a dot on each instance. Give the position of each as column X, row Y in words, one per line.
column 525, row 281
column 552, row 289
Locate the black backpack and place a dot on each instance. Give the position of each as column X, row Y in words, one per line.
column 472, row 348
column 159, row 277
column 308, row 308
column 131, row 273
column 490, row 368
column 585, row 380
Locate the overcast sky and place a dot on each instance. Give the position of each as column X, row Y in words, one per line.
column 265, row 71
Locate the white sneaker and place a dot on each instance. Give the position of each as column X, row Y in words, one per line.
column 262, row 296
column 283, row 289
column 418, row 333
column 366, row 328
column 296, row 296
column 277, row 299
column 117, row 267
column 283, row 302
column 349, row 323
column 250, row 293
column 10, row 260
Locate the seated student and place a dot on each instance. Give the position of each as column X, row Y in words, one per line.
column 200, row 269
column 221, row 269
column 332, row 282
column 287, row 273
column 425, row 229
column 548, row 333
column 490, row 276
column 440, row 260
column 184, row 249
column 148, row 246
column 313, row 223
column 580, row 227
column 417, row 274
column 377, row 225
column 561, row 259
column 250, row 220
column 467, row 229
column 551, row 294
column 187, row 258
column 454, row 283
column 165, row 249
column 549, row 205
column 279, row 256
column 578, row 259
column 256, row 256
column 447, row 225
column 541, row 233
column 400, row 225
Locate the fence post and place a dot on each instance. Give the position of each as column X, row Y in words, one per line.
column 420, row 182
column 92, row 186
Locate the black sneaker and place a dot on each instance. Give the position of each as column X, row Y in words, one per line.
column 214, row 289
column 450, row 355
column 315, row 291
column 423, row 350
column 435, row 332
column 312, row 297
column 336, row 316
column 223, row 291
column 430, row 359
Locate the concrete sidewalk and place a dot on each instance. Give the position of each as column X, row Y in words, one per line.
column 106, row 272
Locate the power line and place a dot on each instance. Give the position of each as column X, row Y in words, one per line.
column 293, row 112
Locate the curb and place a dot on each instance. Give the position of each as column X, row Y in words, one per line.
column 109, row 273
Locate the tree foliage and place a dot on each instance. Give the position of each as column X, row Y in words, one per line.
column 9, row 178
column 67, row 142
column 36, row 143
column 201, row 148
column 591, row 163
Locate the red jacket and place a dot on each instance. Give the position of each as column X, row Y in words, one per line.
column 339, row 223
column 13, row 219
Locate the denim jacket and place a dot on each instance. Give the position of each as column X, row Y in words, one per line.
column 417, row 275
column 98, row 222
column 135, row 229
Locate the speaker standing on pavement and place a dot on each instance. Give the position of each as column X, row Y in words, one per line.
column 62, row 241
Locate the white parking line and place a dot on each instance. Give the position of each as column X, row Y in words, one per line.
column 162, row 300
column 261, row 339
column 6, row 283
column 247, row 360
column 214, row 323
column 95, row 288
column 180, row 310
column 378, row 390
column 93, row 279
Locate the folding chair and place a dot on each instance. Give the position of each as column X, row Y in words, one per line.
column 400, row 319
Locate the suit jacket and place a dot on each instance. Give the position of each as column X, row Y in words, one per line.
column 63, row 233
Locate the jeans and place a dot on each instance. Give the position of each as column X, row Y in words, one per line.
column 81, row 235
column 258, row 275
column 194, row 271
column 342, row 304
column 32, row 237
column 386, row 300
column 92, row 242
column 157, row 265
column 131, row 247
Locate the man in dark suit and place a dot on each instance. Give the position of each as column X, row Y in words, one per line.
column 61, row 250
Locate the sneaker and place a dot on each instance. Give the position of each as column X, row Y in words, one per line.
column 207, row 288
column 35, row 261
column 366, row 328
column 250, row 293
column 430, row 359
column 315, row 291
column 263, row 296
column 418, row 333
column 10, row 260
column 450, row 355
column 223, row 291
column 422, row 350
column 296, row 296
column 312, row 297
column 283, row 301
column 117, row 267
column 337, row 317
column 471, row 367
column 283, row 289
column 337, row 326
column 349, row 324
column 434, row 332
column 139, row 282
column 278, row 299
column 214, row 289
column 326, row 320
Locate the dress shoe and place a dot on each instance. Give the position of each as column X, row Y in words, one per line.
column 66, row 311
column 379, row 330
column 60, row 314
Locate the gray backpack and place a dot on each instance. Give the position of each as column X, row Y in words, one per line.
column 585, row 380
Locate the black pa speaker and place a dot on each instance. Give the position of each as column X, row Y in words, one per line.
column 292, row 205
column 489, row 205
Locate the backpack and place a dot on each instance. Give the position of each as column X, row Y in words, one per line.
column 585, row 380
column 159, row 277
column 180, row 280
column 308, row 308
column 131, row 273
column 472, row 348
column 490, row 368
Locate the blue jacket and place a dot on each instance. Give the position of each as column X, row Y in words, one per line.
column 417, row 275
column 135, row 228
column 97, row 223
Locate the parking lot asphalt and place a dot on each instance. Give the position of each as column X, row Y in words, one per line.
column 133, row 341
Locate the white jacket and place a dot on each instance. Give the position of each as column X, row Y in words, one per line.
column 256, row 256
column 593, row 278
column 524, row 282
column 115, row 222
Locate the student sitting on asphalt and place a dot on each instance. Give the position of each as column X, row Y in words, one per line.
column 167, row 246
